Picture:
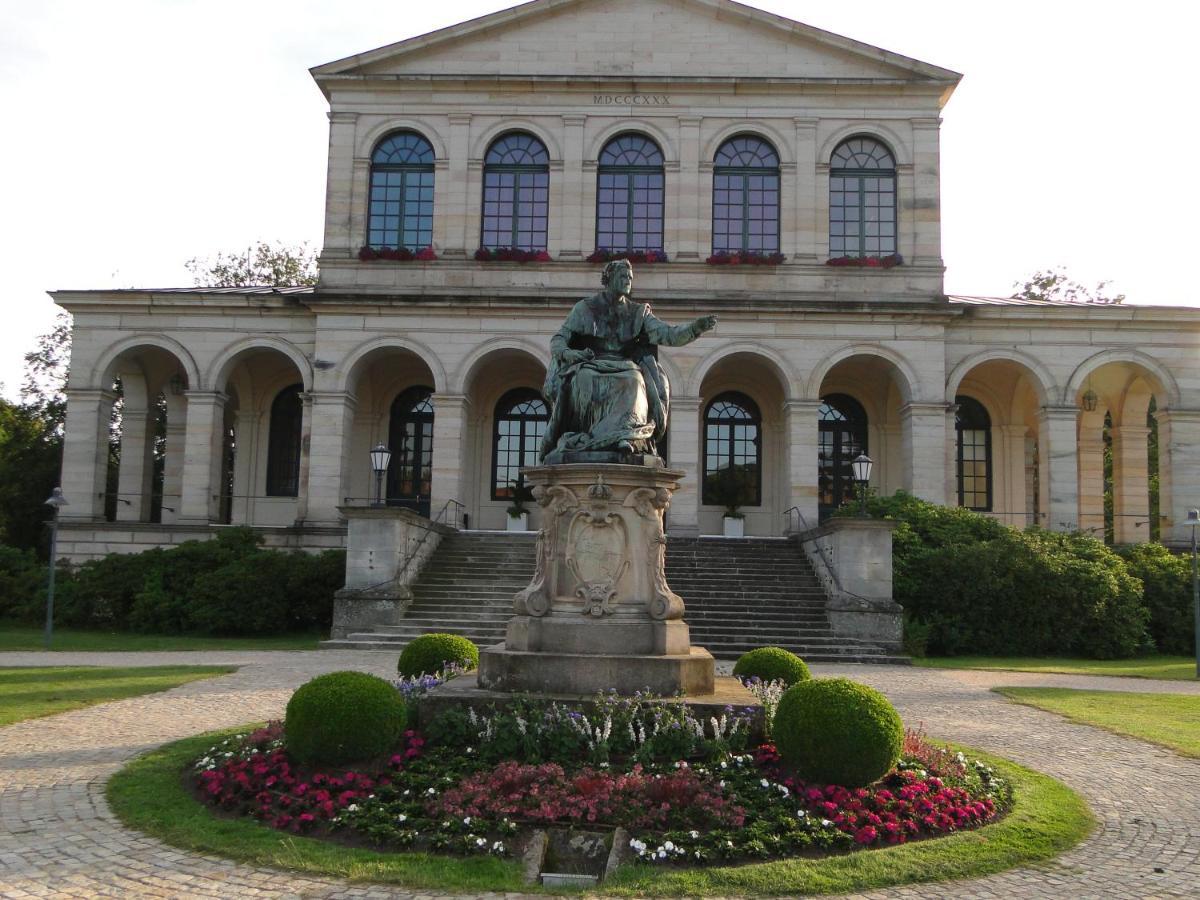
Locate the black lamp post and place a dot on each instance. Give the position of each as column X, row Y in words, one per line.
column 380, row 457
column 56, row 502
column 1193, row 519
column 861, row 467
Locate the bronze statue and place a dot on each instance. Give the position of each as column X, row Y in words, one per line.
column 609, row 397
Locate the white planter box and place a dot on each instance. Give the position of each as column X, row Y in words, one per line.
column 521, row 523
column 734, row 527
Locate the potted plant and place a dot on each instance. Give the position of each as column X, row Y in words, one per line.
column 518, row 515
column 732, row 488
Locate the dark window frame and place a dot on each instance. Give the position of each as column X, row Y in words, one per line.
column 415, row 168
column 284, row 435
column 531, row 174
column 862, row 163
column 628, row 173
column 503, row 412
column 727, row 436
column 412, row 405
column 972, row 416
column 839, row 414
column 757, row 166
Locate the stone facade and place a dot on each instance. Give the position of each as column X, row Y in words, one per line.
column 689, row 75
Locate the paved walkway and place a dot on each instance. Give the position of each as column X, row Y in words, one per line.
column 58, row 838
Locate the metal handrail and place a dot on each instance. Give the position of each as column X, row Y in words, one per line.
column 416, row 550
column 831, row 575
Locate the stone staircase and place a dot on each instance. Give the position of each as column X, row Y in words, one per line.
column 740, row 594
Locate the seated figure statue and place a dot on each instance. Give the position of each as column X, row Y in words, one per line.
column 606, row 390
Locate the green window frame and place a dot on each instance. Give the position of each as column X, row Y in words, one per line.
column 862, row 199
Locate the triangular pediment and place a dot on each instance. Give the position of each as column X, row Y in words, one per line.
column 637, row 39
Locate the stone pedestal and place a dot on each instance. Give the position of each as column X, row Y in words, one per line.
column 598, row 613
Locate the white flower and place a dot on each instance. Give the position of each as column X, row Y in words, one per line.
column 406, row 792
column 467, row 820
column 697, row 854
column 353, row 807
column 498, row 847
column 729, row 844
column 826, row 822
column 801, row 814
column 480, row 842
column 694, row 834
column 662, row 854
column 724, row 765
column 431, row 792
column 669, row 846
column 765, row 783
column 402, row 818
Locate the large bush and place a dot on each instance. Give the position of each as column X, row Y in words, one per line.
column 836, row 731
column 978, row 586
column 431, row 653
column 772, row 664
column 22, row 585
column 1167, row 582
column 343, row 717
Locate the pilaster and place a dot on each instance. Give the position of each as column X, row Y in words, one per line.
column 804, row 215
column 803, row 439
column 201, row 456
column 1058, row 467
column 85, row 452
column 683, row 516
column 684, row 235
column 332, row 417
column 450, row 416
column 137, row 465
column 1131, row 484
column 1179, row 471
column 573, row 212
column 923, row 450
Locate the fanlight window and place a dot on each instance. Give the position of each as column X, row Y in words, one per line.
column 629, row 195
column 973, row 428
column 516, row 192
column 521, row 420
column 746, row 196
column 283, row 443
column 732, row 452
column 401, row 212
column 862, row 199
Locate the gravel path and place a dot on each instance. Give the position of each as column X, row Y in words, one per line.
column 58, row 838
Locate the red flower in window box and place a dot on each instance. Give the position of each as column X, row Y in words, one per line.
column 510, row 254
column 866, row 262
column 397, row 254
column 745, row 258
column 603, row 255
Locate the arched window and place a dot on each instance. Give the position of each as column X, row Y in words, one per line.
column 746, row 196
column 629, row 195
column 732, row 452
column 401, row 213
column 410, row 438
column 862, row 199
column 973, row 428
column 520, row 422
column 842, row 434
column 516, row 192
column 283, row 443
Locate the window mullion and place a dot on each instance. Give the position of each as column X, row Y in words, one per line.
column 628, row 212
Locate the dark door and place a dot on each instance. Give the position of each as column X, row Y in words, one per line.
column 843, row 436
column 410, row 438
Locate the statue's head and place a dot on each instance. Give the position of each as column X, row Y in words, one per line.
column 617, row 277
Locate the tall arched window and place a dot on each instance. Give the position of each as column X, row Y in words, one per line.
column 520, row 423
column 283, row 443
column 410, row 438
column 746, row 196
column 973, row 429
column 862, row 199
column 629, row 195
column 401, row 213
column 842, row 433
column 732, row 451
column 516, row 192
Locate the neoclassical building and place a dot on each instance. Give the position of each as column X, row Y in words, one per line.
column 782, row 177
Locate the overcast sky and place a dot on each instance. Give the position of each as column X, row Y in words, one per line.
column 142, row 133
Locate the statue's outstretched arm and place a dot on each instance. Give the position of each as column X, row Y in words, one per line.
column 659, row 332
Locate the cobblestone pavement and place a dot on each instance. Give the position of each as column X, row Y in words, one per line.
column 58, row 838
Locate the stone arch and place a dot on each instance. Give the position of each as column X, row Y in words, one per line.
column 644, row 127
column 900, row 150
column 907, row 381
column 480, row 144
column 1166, row 382
column 1039, row 375
column 345, row 373
column 221, row 367
column 102, row 370
column 465, row 374
column 367, row 140
column 773, row 361
column 759, row 129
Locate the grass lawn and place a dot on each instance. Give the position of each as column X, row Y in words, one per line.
column 1170, row 720
column 28, row 693
column 1049, row 818
column 1170, row 667
column 25, row 637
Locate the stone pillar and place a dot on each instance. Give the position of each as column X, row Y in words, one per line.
column 573, row 213
column 1091, row 482
column 951, row 455
column 923, row 450
column 683, row 518
column 450, row 412
column 924, row 205
column 332, row 415
column 454, row 188
column 202, row 456
column 1010, row 506
column 305, row 456
column 173, row 457
column 85, row 452
column 803, row 431
column 1179, row 471
column 1131, row 484
column 1058, row 467
column 342, row 194
column 805, row 199
column 137, row 465
column 686, row 235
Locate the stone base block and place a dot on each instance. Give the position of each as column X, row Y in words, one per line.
column 355, row 611
column 516, row 671
column 879, row 623
column 576, row 634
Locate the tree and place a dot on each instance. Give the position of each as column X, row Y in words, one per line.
column 1054, row 284
column 263, row 265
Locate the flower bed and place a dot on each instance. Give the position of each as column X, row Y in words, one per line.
column 687, row 791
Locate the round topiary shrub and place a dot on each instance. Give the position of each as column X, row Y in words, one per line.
column 835, row 731
column 431, row 653
column 343, row 717
column 772, row 664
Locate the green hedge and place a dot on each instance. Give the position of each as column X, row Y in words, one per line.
column 1167, row 580
column 429, row 654
column 226, row 586
column 772, row 664
column 343, row 717
column 973, row 585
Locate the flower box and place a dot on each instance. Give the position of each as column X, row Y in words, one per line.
column 866, row 262
column 745, row 258
column 510, row 254
column 397, row 254
column 602, row 255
